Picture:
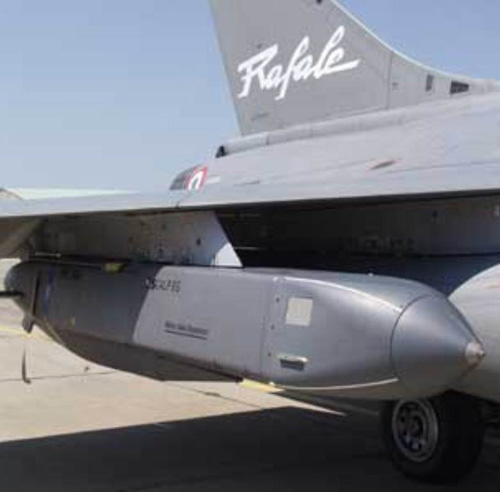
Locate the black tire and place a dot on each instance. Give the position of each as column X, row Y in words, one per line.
column 443, row 450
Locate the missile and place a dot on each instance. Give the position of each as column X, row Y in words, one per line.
column 324, row 333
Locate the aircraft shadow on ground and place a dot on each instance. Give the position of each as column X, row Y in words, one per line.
column 287, row 449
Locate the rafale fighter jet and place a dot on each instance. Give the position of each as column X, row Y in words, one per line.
column 346, row 245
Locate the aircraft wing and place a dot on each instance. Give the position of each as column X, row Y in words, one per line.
column 19, row 219
column 467, row 180
column 436, row 153
column 457, row 180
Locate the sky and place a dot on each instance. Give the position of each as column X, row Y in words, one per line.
column 124, row 94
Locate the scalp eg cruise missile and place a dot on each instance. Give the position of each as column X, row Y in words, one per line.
column 325, row 333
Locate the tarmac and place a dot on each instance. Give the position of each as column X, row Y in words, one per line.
column 81, row 427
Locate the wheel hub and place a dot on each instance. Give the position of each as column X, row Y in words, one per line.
column 415, row 429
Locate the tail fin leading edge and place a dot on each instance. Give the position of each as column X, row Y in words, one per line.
column 296, row 61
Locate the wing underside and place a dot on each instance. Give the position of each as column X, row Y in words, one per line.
column 448, row 154
column 182, row 227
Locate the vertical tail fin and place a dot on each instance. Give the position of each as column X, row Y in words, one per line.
column 295, row 61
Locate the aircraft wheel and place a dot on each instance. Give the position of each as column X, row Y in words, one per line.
column 436, row 440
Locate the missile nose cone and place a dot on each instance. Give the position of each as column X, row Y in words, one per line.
column 433, row 346
column 474, row 353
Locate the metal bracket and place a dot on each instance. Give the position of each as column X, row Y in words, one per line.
column 29, row 318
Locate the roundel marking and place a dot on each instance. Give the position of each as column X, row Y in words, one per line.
column 197, row 179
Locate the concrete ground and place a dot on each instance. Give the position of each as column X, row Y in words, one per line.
column 81, row 427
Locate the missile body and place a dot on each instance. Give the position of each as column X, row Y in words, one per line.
column 479, row 300
column 332, row 334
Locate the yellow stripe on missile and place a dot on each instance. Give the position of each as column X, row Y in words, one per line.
column 113, row 267
column 254, row 385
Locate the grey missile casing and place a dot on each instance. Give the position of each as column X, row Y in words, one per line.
column 478, row 300
column 347, row 335
column 371, row 337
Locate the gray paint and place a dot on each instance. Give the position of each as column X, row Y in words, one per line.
column 137, row 360
column 382, row 79
column 225, row 309
column 364, row 336
column 422, row 334
column 478, row 300
column 185, row 239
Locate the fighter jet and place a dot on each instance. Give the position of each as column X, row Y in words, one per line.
column 347, row 244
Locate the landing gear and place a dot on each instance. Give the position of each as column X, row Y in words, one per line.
column 436, row 440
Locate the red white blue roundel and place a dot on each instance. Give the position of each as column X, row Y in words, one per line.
column 197, row 178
